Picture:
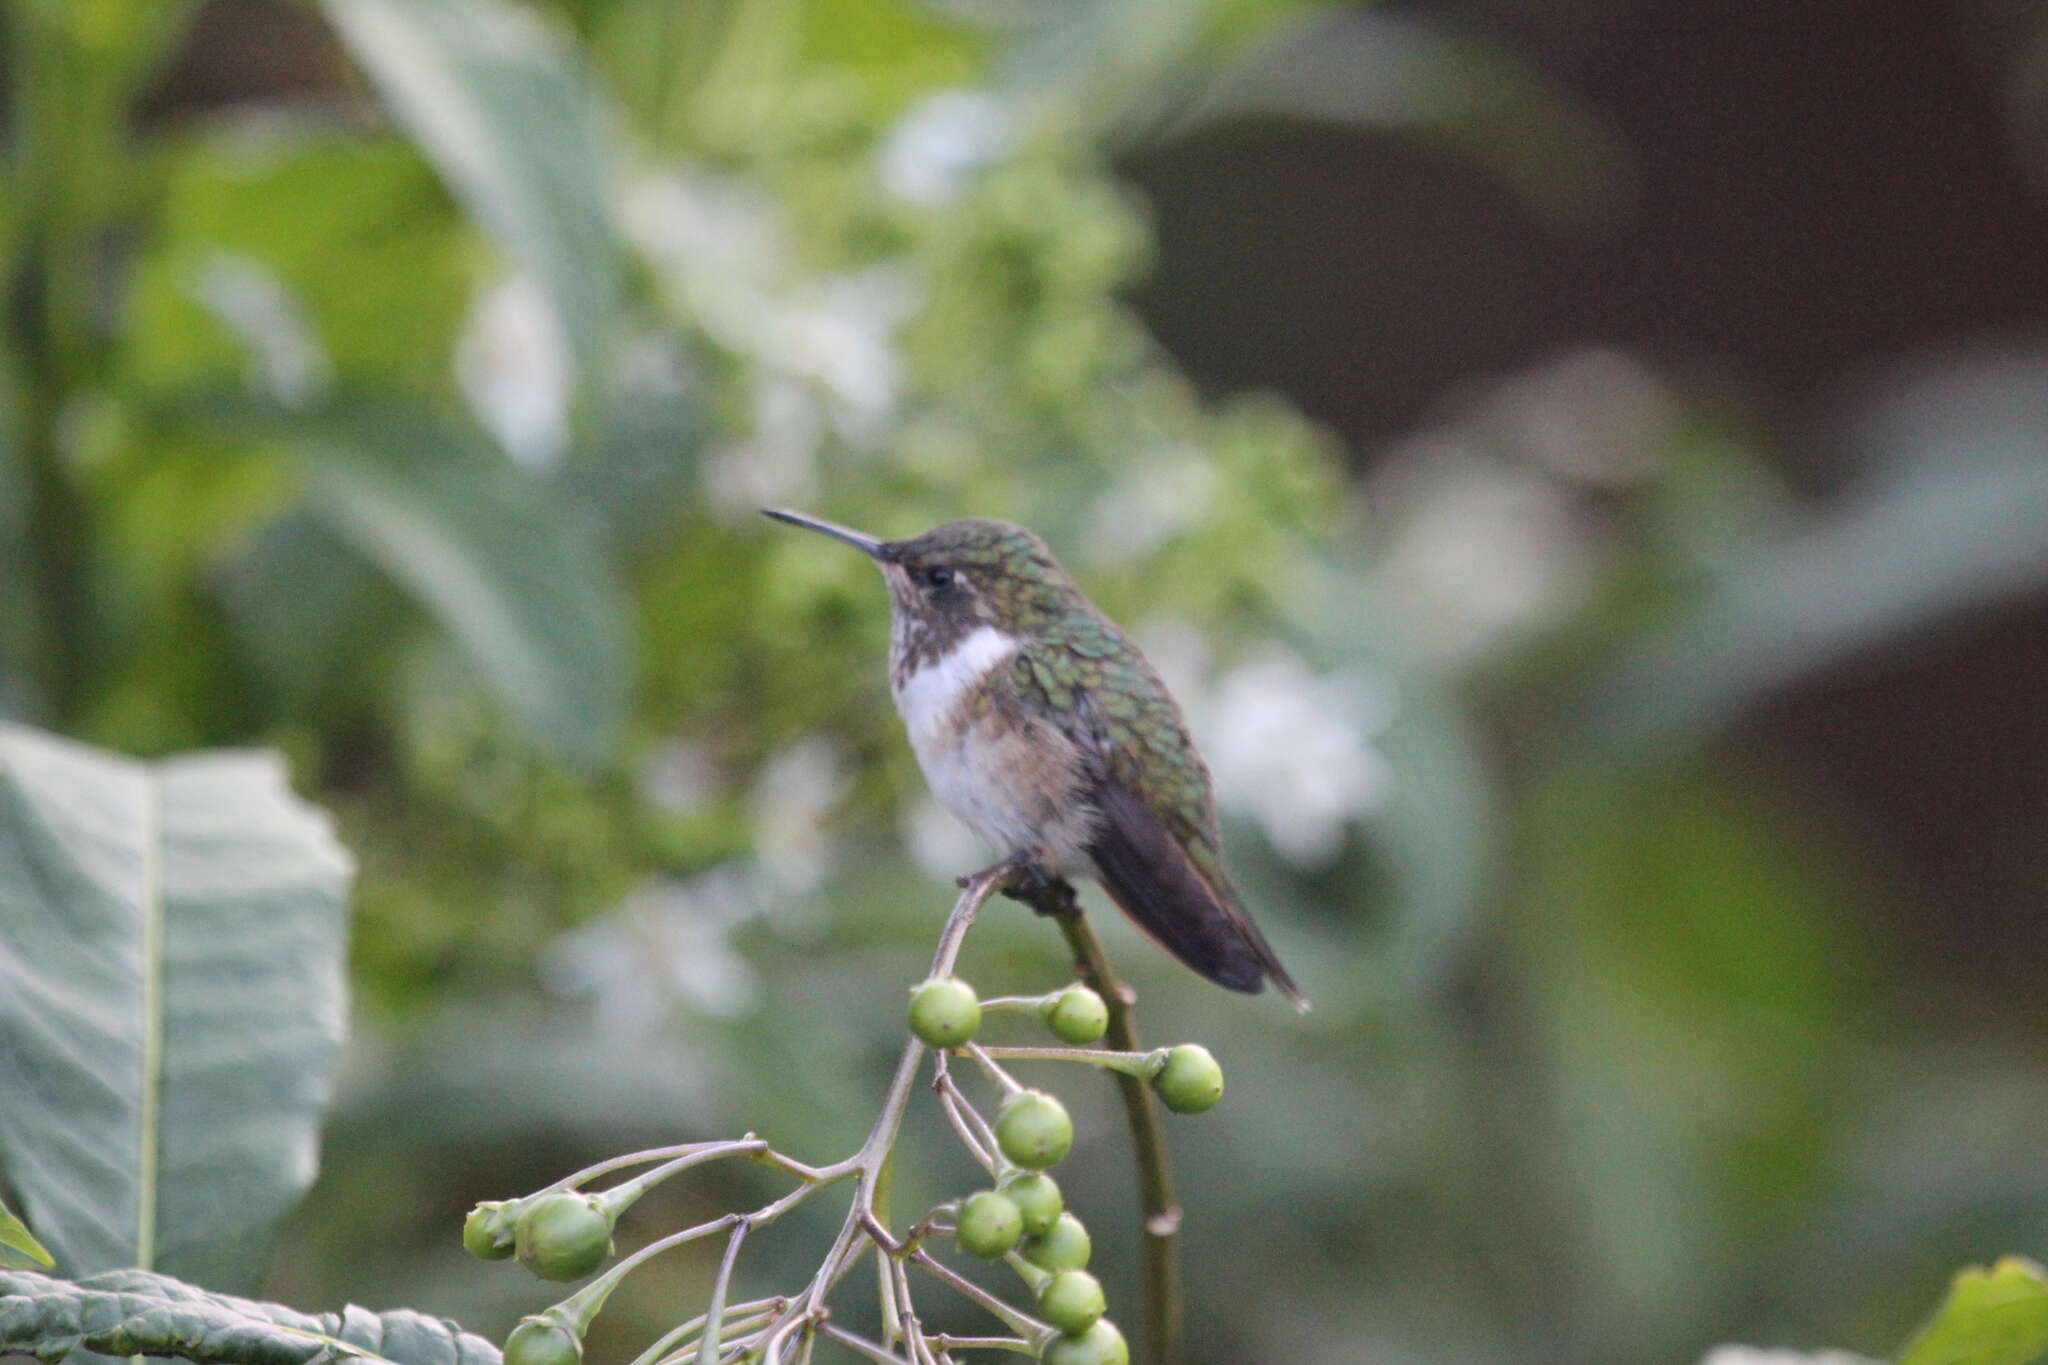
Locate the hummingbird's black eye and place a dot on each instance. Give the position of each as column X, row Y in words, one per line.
column 937, row 577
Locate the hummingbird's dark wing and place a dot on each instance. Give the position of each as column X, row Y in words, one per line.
column 1156, row 845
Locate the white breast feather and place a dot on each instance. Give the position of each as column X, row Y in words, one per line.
column 954, row 757
column 928, row 696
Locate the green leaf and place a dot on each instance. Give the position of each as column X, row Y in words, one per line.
column 1930, row 543
column 510, row 573
column 1402, row 74
column 289, row 199
column 1438, row 834
column 171, row 1002
column 493, row 97
column 1679, row 923
column 134, row 1312
column 19, row 1249
column 1990, row 1317
column 314, row 621
column 641, row 466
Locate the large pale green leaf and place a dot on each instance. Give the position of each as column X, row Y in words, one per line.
column 134, row 1312
column 1990, row 1317
column 171, row 1002
column 510, row 572
column 495, row 99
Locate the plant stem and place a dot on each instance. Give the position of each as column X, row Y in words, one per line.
column 862, row 1345
column 1016, row 1004
column 952, row 1343
column 1002, row 1079
column 579, row 1308
column 975, row 1134
column 744, row 1317
column 51, row 307
column 74, row 76
column 868, row 1164
column 652, row 1154
column 714, row 1316
column 1023, row 1324
column 1148, row 1135
column 1143, row 1065
column 621, row 1196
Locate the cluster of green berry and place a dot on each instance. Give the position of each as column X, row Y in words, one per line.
column 558, row 1235
column 564, row 1232
column 945, row 1013
column 1024, row 1217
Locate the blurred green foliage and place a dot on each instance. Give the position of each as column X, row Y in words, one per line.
column 415, row 426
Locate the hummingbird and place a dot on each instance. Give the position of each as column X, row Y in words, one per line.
column 1043, row 729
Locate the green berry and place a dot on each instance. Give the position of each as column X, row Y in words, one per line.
column 1101, row 1344
column 564, row 1236
column 989, row 1224
column 1066, row 1247
column 1038, row 1198
column 487, row 1232
column 1071, row 1301
column 1077, row 1015
column 944, row 1012
column 1190, row 1081
column 1033, row 1129
column 536, row 1341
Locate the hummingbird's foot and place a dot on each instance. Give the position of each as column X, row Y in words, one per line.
column 1025, row 879
column 1043, row 891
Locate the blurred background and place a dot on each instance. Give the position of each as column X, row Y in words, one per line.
column 1581, row 463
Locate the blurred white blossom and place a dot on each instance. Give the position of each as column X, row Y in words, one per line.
column 840, row 334
column 1294, row 750
column 795, row 792
column 718, row 246
column 513, row 365
column 286, row 359
column 1591, row 414
column 938, row 144
column 1160, row 495
column 665, row 945
column 1475, row 550
column 775, row 462
column 822, row 347
column 1486, row 532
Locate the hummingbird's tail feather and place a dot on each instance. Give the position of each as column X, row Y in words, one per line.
column 1151, row 878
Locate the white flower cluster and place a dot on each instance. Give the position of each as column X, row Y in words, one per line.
column 286, row 358
column 513, row 365
column 938, row 144
column 1293, row 750
column 821, row 349
column 668, row 943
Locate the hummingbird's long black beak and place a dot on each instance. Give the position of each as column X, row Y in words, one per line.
column 868, row 544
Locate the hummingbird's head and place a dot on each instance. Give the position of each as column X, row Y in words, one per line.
column 956, row 578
